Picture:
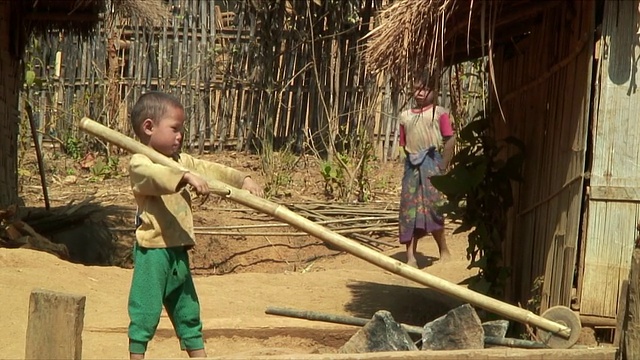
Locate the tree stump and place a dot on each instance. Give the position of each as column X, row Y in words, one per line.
column 55, row 325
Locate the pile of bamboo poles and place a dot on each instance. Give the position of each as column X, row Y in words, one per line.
column 363, row 222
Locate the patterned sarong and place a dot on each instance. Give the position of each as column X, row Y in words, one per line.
column 419, row 199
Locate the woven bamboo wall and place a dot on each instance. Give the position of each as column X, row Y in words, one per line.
column 544, row 83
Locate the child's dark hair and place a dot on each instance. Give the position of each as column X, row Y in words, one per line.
column 151, row 105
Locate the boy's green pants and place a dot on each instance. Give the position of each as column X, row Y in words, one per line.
column 162, row 277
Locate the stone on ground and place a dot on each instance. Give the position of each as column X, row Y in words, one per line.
column 382, row 333
column 458, row 329
column 496, row 328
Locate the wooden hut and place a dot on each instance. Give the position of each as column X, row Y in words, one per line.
column 17, row 20
column 564, row 81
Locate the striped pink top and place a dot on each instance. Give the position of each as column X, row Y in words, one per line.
column 421, row 129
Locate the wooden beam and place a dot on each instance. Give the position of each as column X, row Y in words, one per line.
column 54, row 329
column 598, row 353
column 599, row 321
column 615, row 193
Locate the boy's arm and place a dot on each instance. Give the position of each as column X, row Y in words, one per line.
column 150, row 179
column 211, row 170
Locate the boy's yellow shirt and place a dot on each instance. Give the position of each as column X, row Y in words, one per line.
column 166, row 217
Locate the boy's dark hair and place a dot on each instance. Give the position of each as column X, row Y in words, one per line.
column 151, row 105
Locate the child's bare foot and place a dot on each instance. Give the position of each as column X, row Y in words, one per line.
column 412, row 263
column 445, row 256
column 199, row 353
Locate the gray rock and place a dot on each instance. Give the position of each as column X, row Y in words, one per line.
column 496, row 328
column 459, row 329
column 382, row 333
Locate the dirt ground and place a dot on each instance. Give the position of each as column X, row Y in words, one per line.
column 237, row 276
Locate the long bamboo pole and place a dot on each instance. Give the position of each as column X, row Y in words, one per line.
column 281, row 212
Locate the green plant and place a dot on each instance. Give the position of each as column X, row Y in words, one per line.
column 102, row 170
column 278, row 178
column 72, row 146
column 479, row 194
column 347, row 175
column 534, row 303
column 334, row 179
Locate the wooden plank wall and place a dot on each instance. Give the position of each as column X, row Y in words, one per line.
column 207, row 55
column 544, row 82
column 614, row 193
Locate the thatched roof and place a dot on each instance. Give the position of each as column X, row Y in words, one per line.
column 417, row 37
column 82, row 13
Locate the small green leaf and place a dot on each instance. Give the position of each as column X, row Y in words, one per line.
column 448, row 184
column 473, row 130
column 29, row 77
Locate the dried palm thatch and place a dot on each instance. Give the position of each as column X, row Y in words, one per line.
column 407, row 31
column 419, row 37
column 150, row 12
column 80, row 13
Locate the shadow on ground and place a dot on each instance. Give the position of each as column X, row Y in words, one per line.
column 424, row 261
column 408, row 305
column 83, row 228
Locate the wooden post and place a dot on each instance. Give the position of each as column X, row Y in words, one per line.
column 618, row 338
column 55, row 325
column 632, row 322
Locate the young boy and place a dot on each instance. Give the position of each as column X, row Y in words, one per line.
column 164, row 233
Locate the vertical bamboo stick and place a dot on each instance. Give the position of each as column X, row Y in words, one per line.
column 194, row 76
column 203, row 84
column 213, row 26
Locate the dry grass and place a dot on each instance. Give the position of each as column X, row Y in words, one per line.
column 150, row 12
column 409, row 39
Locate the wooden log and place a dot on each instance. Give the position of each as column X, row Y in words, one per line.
column 354, row 248
column 55, row 325
column 632, row 326
column 597, row 321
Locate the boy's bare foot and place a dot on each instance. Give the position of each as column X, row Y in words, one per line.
column 412, row 263
column 133, row 356
column 200, row 353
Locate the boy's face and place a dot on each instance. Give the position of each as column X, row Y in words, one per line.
column 165, row 134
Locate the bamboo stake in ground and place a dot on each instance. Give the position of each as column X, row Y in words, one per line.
column 280, row 212
column 38, row 146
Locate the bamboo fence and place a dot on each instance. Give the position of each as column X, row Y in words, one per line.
column 313, row 90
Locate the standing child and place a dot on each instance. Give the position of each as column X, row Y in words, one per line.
column 161, row 275
column 423, row 130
